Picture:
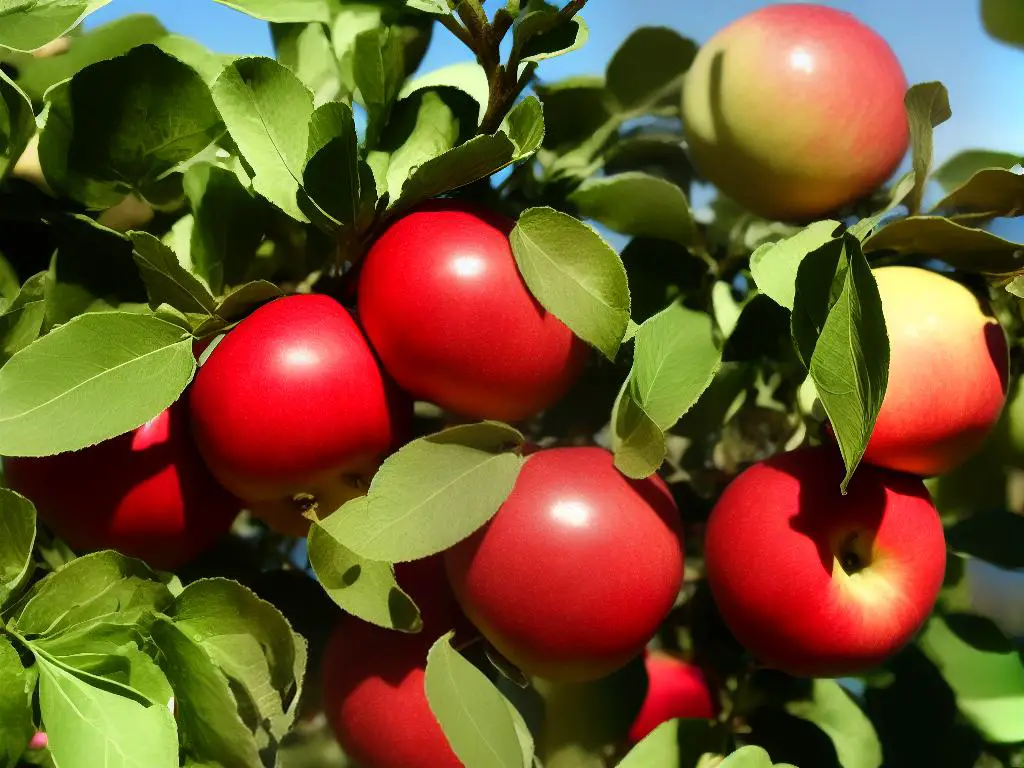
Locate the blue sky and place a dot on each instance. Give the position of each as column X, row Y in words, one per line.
column 946, row 42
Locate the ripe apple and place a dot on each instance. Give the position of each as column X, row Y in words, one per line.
column 291, row 409
column 575, row 572
column 146, row 493
column 674, row 689
column 444, row 306
column 795, row 111
column 948, row 371
column 815, row 583
column 373, row 680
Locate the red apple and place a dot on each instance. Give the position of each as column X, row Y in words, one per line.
column 819, row 584
column 146, row 493
column 674, row 689
column 572, row 577
column 291, row 408
column 795, row 110
column 447, row 311
column 948, row 371
column 373, row 680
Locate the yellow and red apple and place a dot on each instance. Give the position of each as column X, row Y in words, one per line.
column 815, row 583
column 795, row 111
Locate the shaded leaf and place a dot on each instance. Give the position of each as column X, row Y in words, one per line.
column 17, row 686
column 22, row 319
column 774, row 265
column 29, row 24
column 17, row 538
column 927, row 107
column 831, row 709
column 17, row 123
column 282, row 11
column 972, row 250
column 647, row 68
column 956, row 171
column 167, row 281
column 991, row 536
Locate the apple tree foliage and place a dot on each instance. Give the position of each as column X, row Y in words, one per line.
column 720, row 338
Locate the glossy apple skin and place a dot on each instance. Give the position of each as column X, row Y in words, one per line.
column 373, row 680
column 444, row 306
column 795, row 111
column 575, row 572
column 773, row 552
column 292, row 401
column 948, row 372
column 146, row 493
column 674, row 689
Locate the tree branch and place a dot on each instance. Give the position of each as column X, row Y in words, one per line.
column 571, row 9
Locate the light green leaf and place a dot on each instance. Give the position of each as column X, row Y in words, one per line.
column 17, row 686
column 472, row 712
column 282, row 10
column 89, row 726
column 747, row 757
column 574, row 274
column 774, row 266
column 647, row 68
column 117, row 370
column 167, row 281
column 17, row 123
column 17, row 538
column 22, row 319
column 466, row 76
column 267, row 111
column 834, row 712
column 638, row 442
column 675, row 742
column 306, row 50
column 439, row 7
column 988, row 684
column 927, row 107
column 29, row 24
column 434, row 492
column 196, row 55
column 364, row 588
column 379, row 71
column 433, row 131
column 638, row 204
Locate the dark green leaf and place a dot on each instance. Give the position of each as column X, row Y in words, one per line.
column 575, row 110
column 29, row 24
column 46, row 409
column 282, row 10
column 927, row 107
column 123, row 124
column 17, row 123
column 992, row 536
column 100, row 587
column 989, row 192
column 574, row 274
column 840, row 334
column 956, row 171
column 656, row 155
column 365, row 588
column 979, row 632
column 774, row 265
column 434, row 492
column 336, row 179
column 473, row 714
column 17, row 685
column 1004, row 20
column 636, row 203
column 22, row 319
column 244, row 299
column 972, row 250
column 211, row 728
column 465, row 76
column 17, row 538
column 89, row 726
column 989, row 686
column 831, row 709
column 167, row 281
column 267, row 111
column 646, row 71
column 379, row 71
column 542, row 34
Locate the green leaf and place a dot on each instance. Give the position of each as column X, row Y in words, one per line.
column 956, row 171
column 306, row 50
column 248, row 639
column 991, row 536
column 17, row 123
column 774, row 266
column 990, row 192
column 988, row 685
column 122, row 125
column 22, row 319
column 139, row 362
column 927, row 107
column 427, row 128
column 647, row 68
column 281, row 11
column 675, row 742
column 840, row 334
column 473, row 714
column 466, row 76
column 747, row 757
column 379, row 71
column 241, row 301
column 972, row 250
column 433, row 493
column 29, row 24
column 480, row 157
column 638, row 442
column 211, row 728
column 542, row 34
column 207, row 64
column 834, row 712
column 267, row 111
column 104, row 586
column 576, row 110
column 439, row 7
column 639, row 204
column 364, row 588
column 17, row 686
column 167, row 281
column 89, row 726
column 17, row 538
column 574, row 274
column 227, row 227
